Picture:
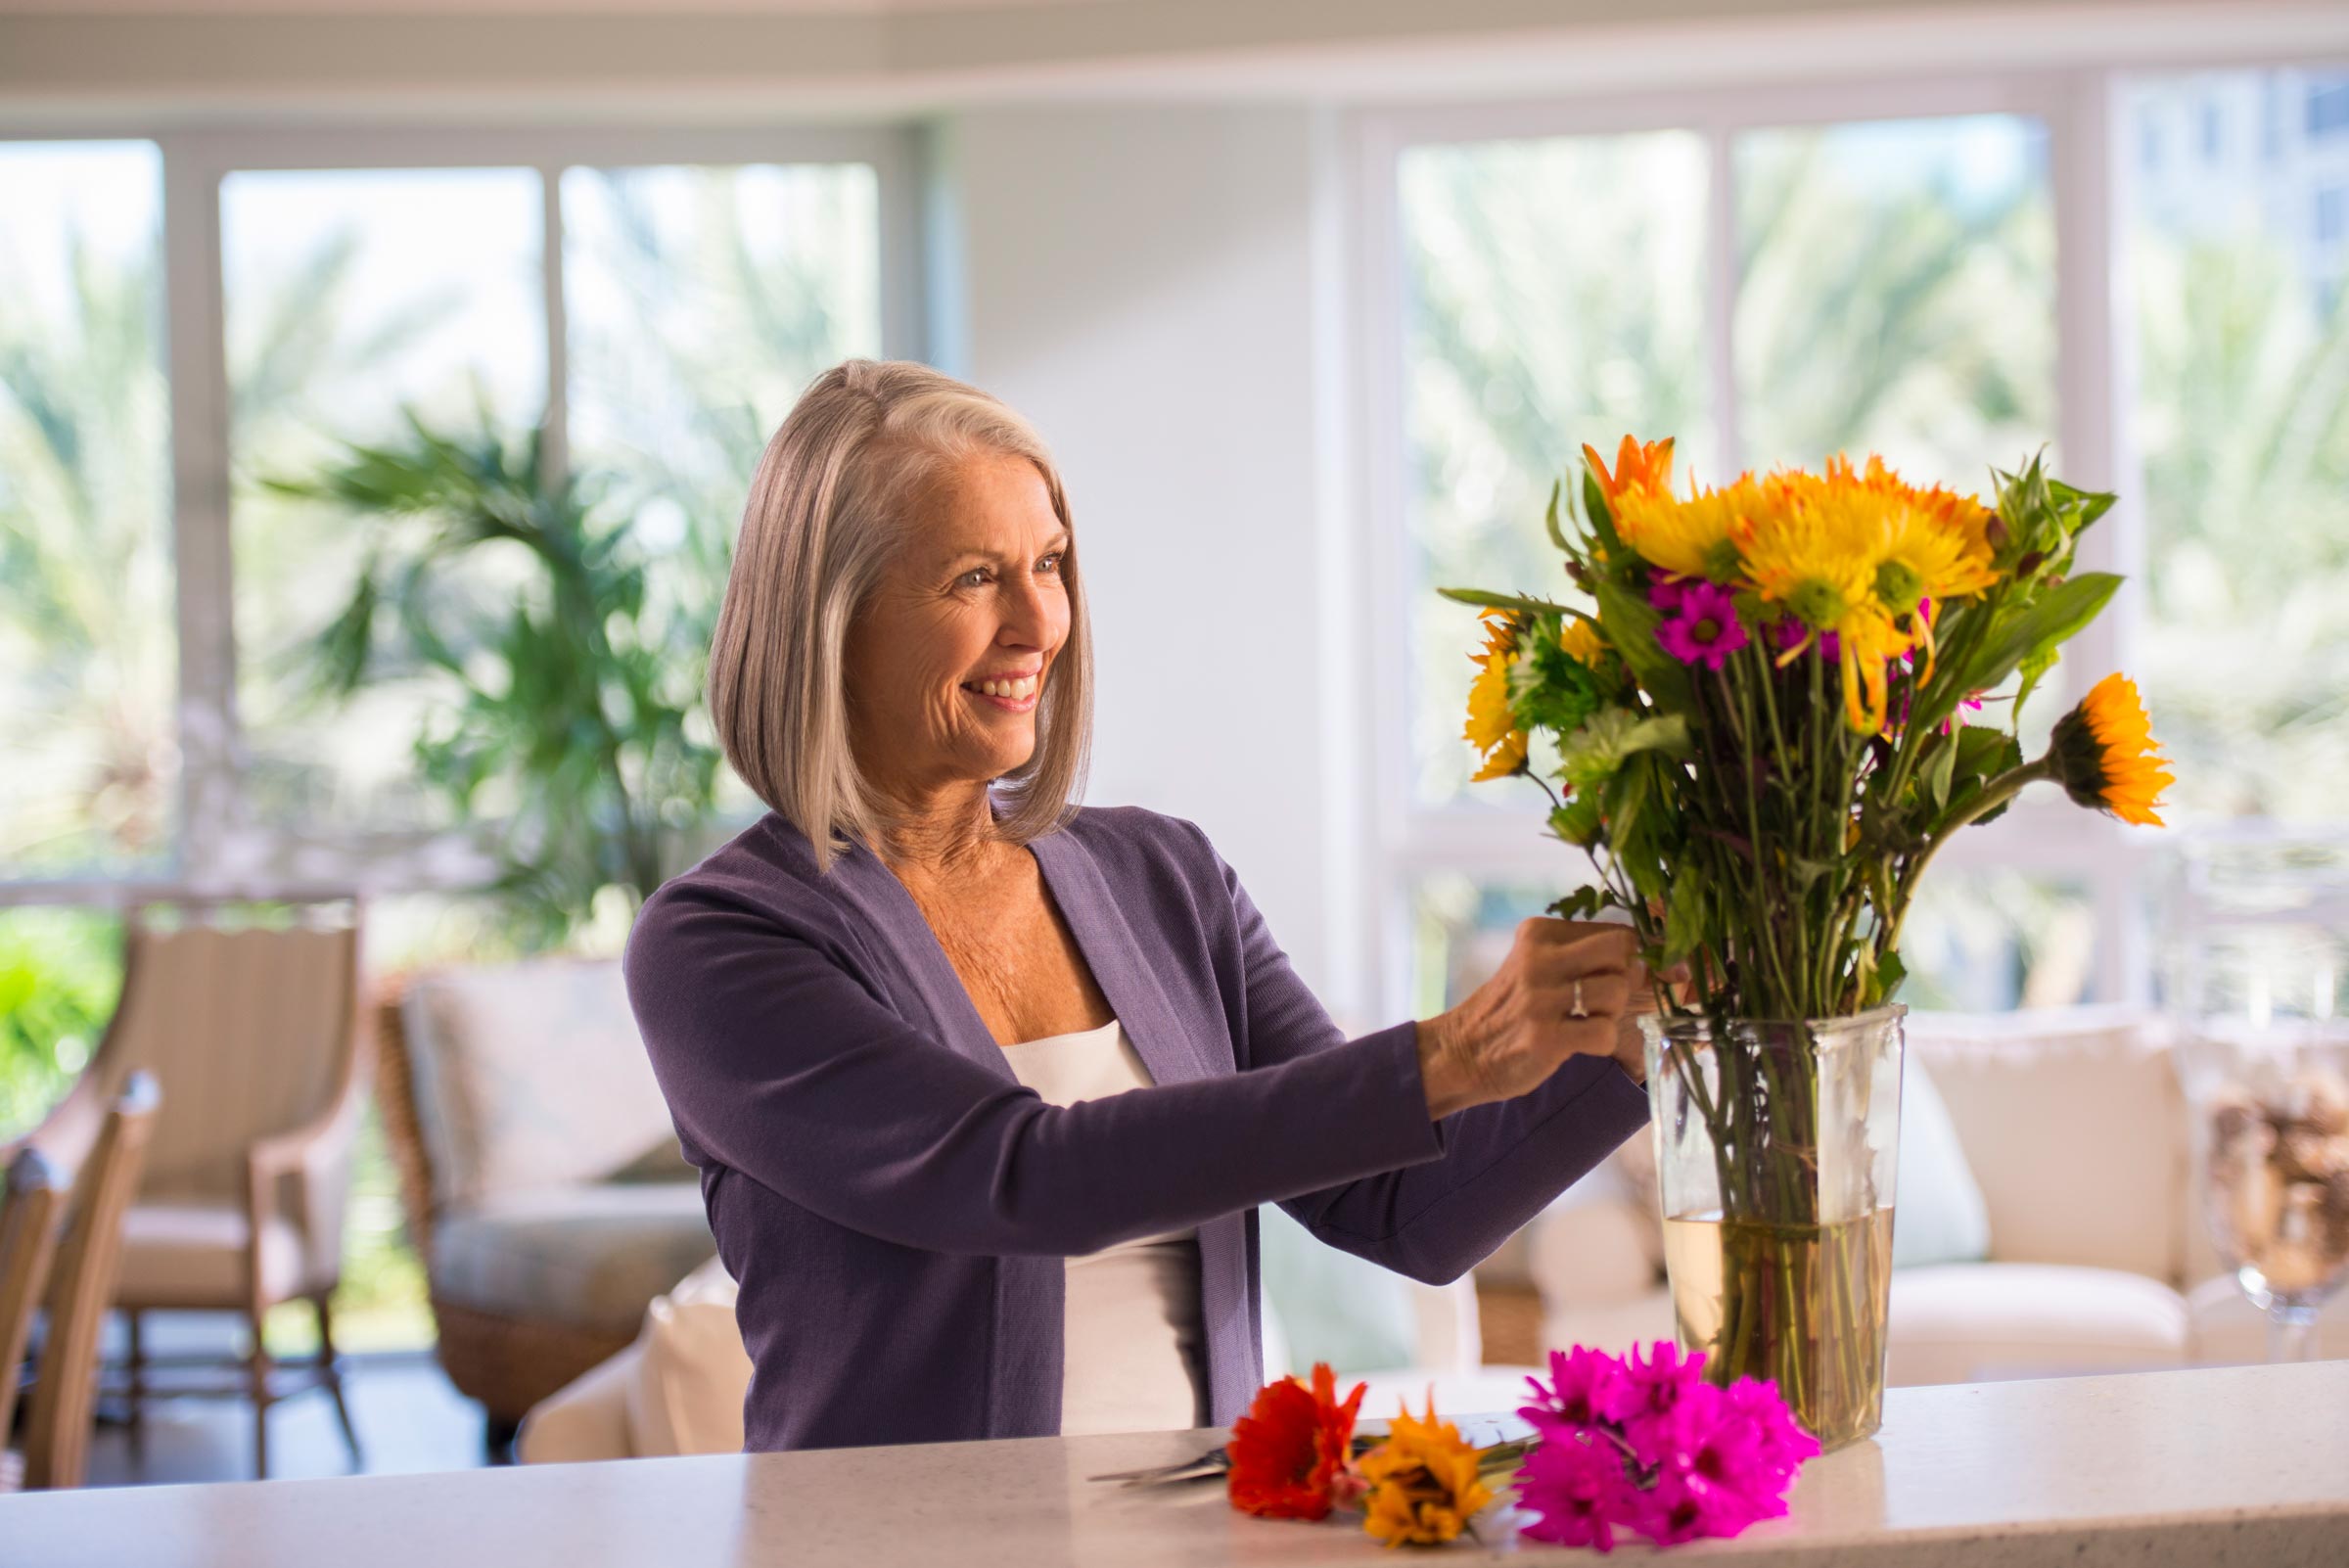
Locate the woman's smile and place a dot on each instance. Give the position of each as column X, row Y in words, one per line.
column 1011, row 696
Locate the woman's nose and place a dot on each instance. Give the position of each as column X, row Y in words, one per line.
column 1032, row 612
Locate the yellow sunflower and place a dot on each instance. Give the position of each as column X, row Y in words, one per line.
column 1814, row 553
column 1423, row 1484
column 1923, row 544
column 2104, row 754
column 1698, row 537
column 1490, row 729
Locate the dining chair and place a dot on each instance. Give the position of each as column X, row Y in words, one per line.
column 72, row 1274
column 30, row 1199
column 251, row 1021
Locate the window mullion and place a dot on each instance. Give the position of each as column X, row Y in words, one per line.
column 211, row 799
column 1721, row 296
column 554, row 456
column 2089, row 424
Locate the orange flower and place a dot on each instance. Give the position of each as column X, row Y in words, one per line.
column 1289, row 1450
column 1423, row 1481
column 2104, row 754
column 1639, row 466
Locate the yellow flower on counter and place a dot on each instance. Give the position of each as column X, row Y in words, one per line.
column 1490, row 729
column 1423, row 1483
column 2104, row 754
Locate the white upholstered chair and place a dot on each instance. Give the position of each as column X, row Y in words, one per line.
column 678, row 1388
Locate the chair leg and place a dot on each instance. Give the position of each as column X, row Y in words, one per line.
column 134, row 1420
column 256, row 1368
column 331, row 1369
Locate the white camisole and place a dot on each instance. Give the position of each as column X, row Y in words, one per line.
column 1134, row 1357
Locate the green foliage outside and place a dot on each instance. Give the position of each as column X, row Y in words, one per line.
column 572, row 729
column 60, row 973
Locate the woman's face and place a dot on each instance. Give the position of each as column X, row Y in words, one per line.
column 975, row 596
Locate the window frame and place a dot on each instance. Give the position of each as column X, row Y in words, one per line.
column 219, row 848
column 2080, row 107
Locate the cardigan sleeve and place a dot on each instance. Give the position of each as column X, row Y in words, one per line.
column 1501, row 1162
column 780, row 1064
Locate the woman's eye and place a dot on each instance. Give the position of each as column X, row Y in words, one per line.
column 978, row 573
column 1053, row 560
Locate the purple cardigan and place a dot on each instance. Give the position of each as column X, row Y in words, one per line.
column 896, row 1205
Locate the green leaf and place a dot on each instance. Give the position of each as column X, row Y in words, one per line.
column 2056, row 616
column 1983, row 751
column 1549, row 522
column 1683, row 918
column 1941, row 770
column 1576, row 821
column 1602, row 521
column 1581, row 904
column 2087, row 505
column 1803, row 871
column 1886, row 980
column 1610, row 737
column 2035, row 669
column 1504, row 601
column 1630, row 623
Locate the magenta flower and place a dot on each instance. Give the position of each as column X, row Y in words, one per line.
column 1648, row 1391
column 1666, row 595
column 1674, row 1509
column 1581, row 1391
column 1791, row 631
column 1780, row 1445
column 1704, row 627
column 1643, row 1442
column 1580, row 1490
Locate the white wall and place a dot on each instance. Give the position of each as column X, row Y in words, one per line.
column 1140, row 282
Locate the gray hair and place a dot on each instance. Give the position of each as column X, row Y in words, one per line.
column 828, row 510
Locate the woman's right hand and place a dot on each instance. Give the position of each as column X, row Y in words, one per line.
column 1516, row 1029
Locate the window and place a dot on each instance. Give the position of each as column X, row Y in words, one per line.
column 699, row 300
column 354, row 298
column 89, row 662
column 2328, row 109
column 1876, row 283
column 1896, row 294
column 1523, row 323
column 2244, row 435
column 665, row 316
column 693, row 294
column 1902, row 272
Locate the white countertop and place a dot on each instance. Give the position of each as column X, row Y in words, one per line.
column 2238, row 1466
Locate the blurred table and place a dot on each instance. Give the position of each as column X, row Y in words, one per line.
column 2235, row 1464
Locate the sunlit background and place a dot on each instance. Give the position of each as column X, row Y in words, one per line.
column 1442, row 292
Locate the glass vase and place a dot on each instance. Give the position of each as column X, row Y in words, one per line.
column 1776, row 1148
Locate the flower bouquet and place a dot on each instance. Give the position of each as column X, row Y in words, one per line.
column 1772, row 707
column 1641, row 1443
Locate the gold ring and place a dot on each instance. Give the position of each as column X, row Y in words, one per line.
column 1578, row 1010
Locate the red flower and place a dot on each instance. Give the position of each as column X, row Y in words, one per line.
column 1288, row 1452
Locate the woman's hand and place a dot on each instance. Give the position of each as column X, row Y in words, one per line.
column 1518, row 1027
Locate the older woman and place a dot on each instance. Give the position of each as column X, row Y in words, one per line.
column 985, row 1088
